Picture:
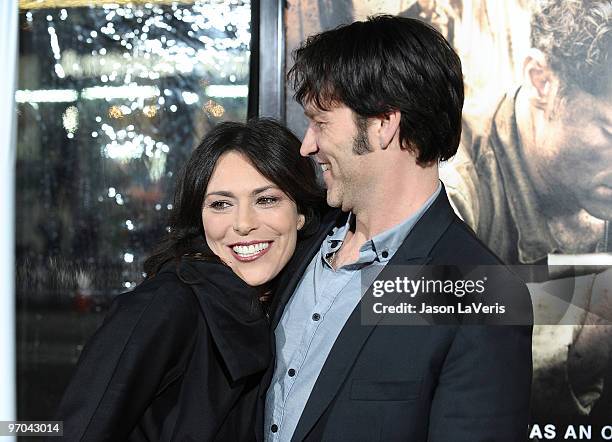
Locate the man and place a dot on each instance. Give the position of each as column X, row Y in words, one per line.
column 383, row 98
column 535, row 183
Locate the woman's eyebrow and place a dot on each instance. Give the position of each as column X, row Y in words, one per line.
column 220, row 193
column 264, row 189
column 229, row 194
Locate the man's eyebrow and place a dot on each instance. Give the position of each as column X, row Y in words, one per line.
column 311, row 113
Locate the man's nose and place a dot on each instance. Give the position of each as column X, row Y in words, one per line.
column 245, row 220
column 309, row 144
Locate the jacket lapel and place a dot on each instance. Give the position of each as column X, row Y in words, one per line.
column 413, row 252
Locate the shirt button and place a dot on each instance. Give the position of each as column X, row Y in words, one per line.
column 274, row 428
column 291, row 372
column 385, row 254
column 316, row 317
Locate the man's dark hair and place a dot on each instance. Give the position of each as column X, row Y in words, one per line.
column 576, row 37
column 384, row 64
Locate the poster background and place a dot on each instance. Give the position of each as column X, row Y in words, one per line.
column 492, row 39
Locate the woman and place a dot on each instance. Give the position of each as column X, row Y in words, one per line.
column 180, row 357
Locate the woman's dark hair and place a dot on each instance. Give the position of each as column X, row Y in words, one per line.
column 272, row 149
column 384, row 64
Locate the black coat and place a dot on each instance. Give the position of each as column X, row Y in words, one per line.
column 172, row 361
column 451, row 382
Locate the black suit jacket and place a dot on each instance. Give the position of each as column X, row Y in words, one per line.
column 448, row 382
column 178, row 358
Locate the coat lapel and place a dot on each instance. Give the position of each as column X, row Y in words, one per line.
column 413, row 252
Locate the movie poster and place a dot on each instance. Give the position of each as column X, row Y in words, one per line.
column 533, row 175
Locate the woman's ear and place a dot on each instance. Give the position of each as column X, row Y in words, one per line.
column 301, row 221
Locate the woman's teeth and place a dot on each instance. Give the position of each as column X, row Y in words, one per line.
column 250, row 250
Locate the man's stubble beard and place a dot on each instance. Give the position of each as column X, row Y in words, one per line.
column 361, row 144
column 343, row 196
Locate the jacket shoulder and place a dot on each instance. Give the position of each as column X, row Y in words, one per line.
column 163, row 298
column 142, row 345
column 460, row 245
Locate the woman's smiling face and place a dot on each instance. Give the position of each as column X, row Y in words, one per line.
column 249, row 222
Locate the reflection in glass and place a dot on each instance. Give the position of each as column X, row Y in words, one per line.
column 112, row 98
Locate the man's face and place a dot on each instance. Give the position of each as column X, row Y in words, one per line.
column 340, row 147
column 574, row 152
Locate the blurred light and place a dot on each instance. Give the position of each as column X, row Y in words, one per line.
column 119, row 199
column 46, row 96
column 123, row 151
column 59, row 71
column 54, row 42
column 70, row 119
column 92, row 93
column 115, row 112
column 173, row 108
column 149, row 111
column 227, row 90
column 128, row 257
column 110, row 92
column 129, row 224
column 112, row 192
column 214, row 109
column 190, row 97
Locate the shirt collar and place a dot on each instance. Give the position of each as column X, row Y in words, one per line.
column 381, row 247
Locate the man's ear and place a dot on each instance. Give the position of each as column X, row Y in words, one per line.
column 387, row 127
column 539, row 81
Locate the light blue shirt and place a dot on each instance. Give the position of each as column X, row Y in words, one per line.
column 315, row 315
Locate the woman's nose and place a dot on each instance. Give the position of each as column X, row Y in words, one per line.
column 245, row 221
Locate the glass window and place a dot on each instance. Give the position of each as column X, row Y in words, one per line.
column 112, row 98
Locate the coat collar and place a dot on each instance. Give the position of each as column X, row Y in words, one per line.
column 415, row 251
column 232, row 312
